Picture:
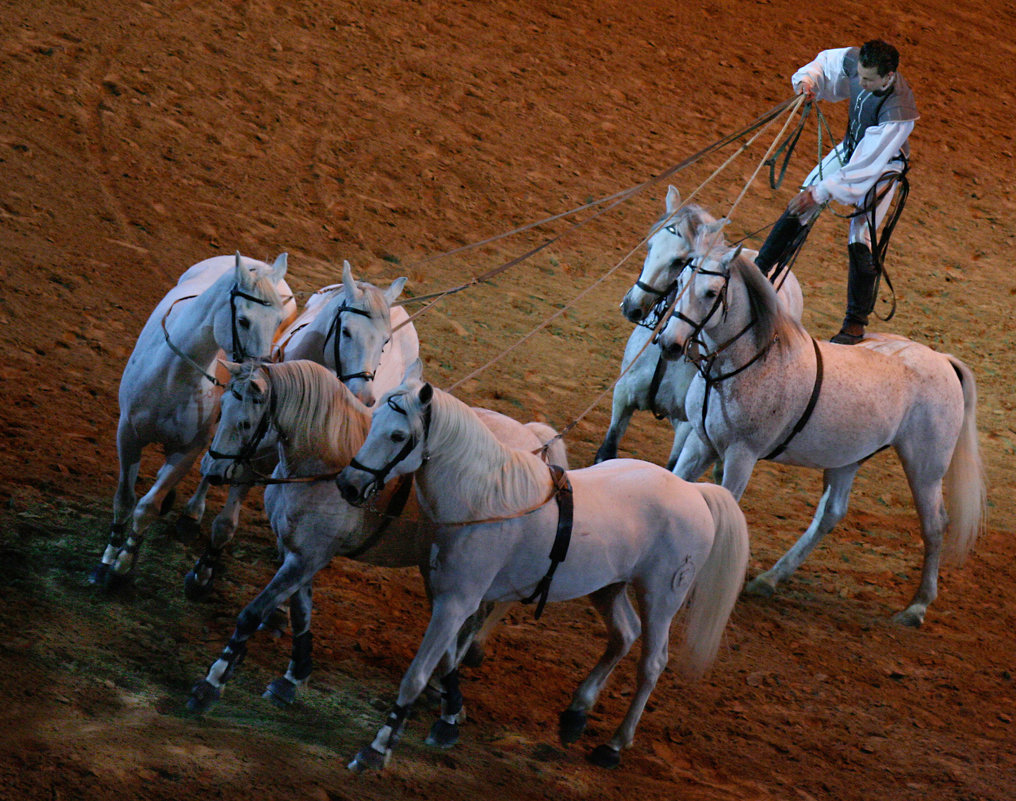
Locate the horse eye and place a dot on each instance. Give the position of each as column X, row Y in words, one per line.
column 710, row 294
column 670, row 229
column 345, row 333
column 244, row 425
column 243, row 322
column 398, row 436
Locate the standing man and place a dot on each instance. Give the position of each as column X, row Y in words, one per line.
column 861, row 171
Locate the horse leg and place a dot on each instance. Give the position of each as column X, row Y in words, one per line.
column 471, row 647
column 623, row 628
column 830, row 511
column 658, row 607
column 696, row 456
column 124, row 499
column 934, row 518
column 682, row 428
column 620, row 416
column 188, row 524
column 282, row 691
column 198, row 583
column 448, row 614
column 287, row 580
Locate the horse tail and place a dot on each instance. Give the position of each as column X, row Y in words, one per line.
column 965, row 492
column 718, row 583
column 556, row 453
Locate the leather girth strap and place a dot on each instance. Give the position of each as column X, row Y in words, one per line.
column 803, row 420
column 559, row 550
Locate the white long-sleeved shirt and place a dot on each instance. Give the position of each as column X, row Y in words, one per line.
column 880, row 144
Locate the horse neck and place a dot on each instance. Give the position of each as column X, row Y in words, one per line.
column 191, row 321
column 470, row 475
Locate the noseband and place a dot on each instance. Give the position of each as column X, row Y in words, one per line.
column 335, row 330
column 376, row 484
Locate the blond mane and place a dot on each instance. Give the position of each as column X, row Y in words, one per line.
column 317, row 415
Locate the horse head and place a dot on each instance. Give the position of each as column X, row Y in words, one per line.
column 396, row 443
column 245, row 432
column 360, row 329
column 671, row 246
column 245, row 326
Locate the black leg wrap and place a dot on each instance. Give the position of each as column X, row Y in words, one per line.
column 779, row 242
column 302, row 662
column 451, row 696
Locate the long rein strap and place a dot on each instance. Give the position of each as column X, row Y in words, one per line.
column 180, row 353
column 806, row 415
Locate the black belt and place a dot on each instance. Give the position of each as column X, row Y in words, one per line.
column 559, row 550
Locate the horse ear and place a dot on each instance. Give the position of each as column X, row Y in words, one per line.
column 673, row 199
column 241, row 274
column 279, row 267
column 426, row 394
column 393, row 292
column 414, row 372
column 734, row 254
column 234, row 368
column 348, row 282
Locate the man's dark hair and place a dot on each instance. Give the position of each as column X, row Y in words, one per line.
column 880, row 55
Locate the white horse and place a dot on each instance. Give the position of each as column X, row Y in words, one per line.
column 169, row 393
column 634, row 523
column 318, row 425
column 767, row 390
column 653, row 383
column 352, row 329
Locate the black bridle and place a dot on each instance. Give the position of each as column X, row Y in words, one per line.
column 377, row 483
column 248, row 449
column 335, row 330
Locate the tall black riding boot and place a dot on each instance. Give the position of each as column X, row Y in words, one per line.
column 779, row 242
column 862, row 282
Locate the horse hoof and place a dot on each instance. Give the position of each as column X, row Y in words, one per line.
column 281, row 692
column 571, row 725
column 474, row 656
column 443, row 734
column 909, row 617
column 193, row 589
column 99, row 575
column 369, row 759
column 760, row 588
column 203, row 696
column 603, row 756
column 187, row 530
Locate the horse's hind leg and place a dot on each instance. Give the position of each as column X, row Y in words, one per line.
column 188, row 524
column 830, row 511
column 658, row 608
column 282, row 691
column 931, row 510
column 129, row 453
column 623, row 628
column 473, row 638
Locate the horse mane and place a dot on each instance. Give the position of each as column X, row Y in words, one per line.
column 687, row 219
column 316, row 413
column 266, row 288
column 772, row 323
column 502, row 480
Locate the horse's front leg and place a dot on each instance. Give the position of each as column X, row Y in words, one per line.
column 199, row 582
column 188, row 524
column 448, row 614
column 282, row 691
column 934, row 518
column 620, row 415
column 830, row 511
column 696, row 456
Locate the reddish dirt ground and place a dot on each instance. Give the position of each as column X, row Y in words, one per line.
column 139, row 138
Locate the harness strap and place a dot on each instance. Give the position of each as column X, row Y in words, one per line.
column 654, row 387
column 562, row 538
column 806, row 415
